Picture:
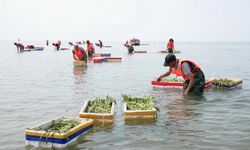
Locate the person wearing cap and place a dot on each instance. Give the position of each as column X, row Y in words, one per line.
column 189, row 70
column 79, row 53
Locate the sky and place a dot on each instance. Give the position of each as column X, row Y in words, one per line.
column 119, row 20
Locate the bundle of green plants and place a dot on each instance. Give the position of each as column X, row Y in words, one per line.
column 172, row 80
column 139, row 103
column 100, row 105
column 62, row 126
column 221, row 82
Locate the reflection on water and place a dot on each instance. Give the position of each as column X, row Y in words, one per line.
column 78, row 86
column 182, row 109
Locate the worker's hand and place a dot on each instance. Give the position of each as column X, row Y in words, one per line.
column 159, row 79
column 185, row 93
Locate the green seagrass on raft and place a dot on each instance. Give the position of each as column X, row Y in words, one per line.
column 139, row 103
column 100, row 105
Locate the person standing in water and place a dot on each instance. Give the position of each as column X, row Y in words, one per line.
column 130, row 48
column 47, row 42
column 170, row 46
column 90, row 48
column 100, row 43
column 194, row 78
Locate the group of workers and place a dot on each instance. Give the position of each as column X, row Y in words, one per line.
column 191, row 72
column 194, row 83
column 80, row 54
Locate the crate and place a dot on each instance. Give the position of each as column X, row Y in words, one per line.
column 99, row 118
column 38, row 138
column 137, row 115
column 80, row 63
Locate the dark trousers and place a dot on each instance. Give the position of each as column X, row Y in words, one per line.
column 198, row 85
column 170, row 50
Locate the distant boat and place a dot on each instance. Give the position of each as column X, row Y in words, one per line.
column 135, row 42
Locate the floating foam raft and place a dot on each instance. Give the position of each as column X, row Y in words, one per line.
column 107, row 59
column 133, row 115
column 101, row 54
column 79, row 63
column 64, row 48
column 39, row 48
column 99, row 118
column 208, row 84
column 140, row 52
column 237, row 82
column 165, row 51
column 36, row 137
column 34, row 49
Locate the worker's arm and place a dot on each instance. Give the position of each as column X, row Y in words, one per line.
column 190, row 85
column 164, row 75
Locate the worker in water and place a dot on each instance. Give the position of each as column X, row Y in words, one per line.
column 130, row 48
column 79, row 53
column 170, row 46
column 100, row 43
column 189, row 70
column 19, row 46
column 90, row 48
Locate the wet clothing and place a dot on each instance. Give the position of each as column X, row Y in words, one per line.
column 198, row 85
column 183, row 68
column 90, row 49
column 170, row 50
column 170, row 47
column 130, row 49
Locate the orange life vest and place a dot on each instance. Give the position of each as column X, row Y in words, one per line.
column 170, row 45
column 178, row 71
column 90, row 47
column 78, row 54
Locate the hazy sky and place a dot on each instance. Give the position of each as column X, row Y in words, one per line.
column 118, row 20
